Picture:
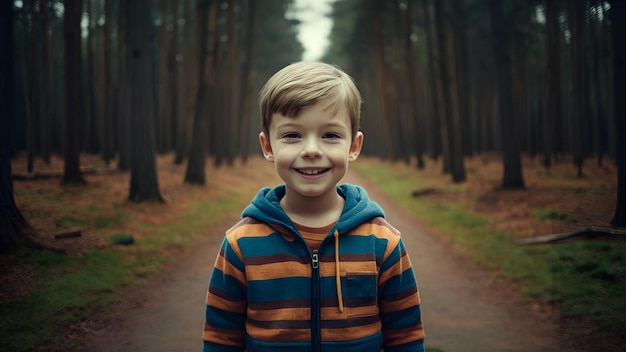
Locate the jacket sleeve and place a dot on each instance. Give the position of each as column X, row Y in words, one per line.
column 224, row 327
column 399, row 302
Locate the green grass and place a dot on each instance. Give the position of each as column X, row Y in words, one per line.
column 586, row 278
column 68, row 289
column 545, row 214
column 65, row 291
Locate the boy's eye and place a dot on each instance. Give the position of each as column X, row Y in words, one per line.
column 331, row 136
column 291, row 136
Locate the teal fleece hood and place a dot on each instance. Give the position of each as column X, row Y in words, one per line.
column 358, row 208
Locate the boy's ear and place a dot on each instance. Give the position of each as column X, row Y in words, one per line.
column 355, row 147
column 266, row 147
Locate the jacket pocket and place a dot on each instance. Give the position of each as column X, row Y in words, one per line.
column 361, row 294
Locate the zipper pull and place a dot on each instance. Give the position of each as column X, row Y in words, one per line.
column 315, row 260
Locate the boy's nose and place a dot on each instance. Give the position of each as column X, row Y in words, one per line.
column 311, row 149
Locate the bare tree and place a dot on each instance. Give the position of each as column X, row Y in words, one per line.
column 512, row 178
column 618, row 23
column 71, row 28
column 144, row 185
column 14, row 229
column 195, row 173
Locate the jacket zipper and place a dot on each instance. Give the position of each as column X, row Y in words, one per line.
column 315, row 306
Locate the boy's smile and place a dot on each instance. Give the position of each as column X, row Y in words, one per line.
column 311, row 152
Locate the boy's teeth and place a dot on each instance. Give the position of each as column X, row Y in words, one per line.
column 311, row 172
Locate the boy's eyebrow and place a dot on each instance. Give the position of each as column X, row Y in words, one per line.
column 292, row 124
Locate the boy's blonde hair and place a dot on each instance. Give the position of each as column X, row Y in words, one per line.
column 303, row 84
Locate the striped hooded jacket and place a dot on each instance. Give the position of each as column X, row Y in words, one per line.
column 269, row 292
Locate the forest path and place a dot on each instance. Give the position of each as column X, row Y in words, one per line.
column 464, row 308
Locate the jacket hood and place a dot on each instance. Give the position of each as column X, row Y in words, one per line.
column 358, row 208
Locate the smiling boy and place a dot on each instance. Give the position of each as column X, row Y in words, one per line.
column 312, row 265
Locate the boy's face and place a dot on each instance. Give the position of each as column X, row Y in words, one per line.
column 311, row 152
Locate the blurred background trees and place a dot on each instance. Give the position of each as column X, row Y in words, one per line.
column 440, row 79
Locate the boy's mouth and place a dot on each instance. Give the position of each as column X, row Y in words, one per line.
column 312, row 172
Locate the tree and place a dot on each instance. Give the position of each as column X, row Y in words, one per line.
column 144, row 185
column 512, row 178
column 449, row 48
column 618, row 29
column 14, row 229
column 195, row 173
column 551, row 93
column 579, row 93
column 71, row 29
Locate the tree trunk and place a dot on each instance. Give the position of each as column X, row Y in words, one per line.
column 512, row 178
column 551, row 93
column 91, row 141
column 443, row 86
column 457, row 167
column 144, row 184
column 618, row 22
column 123, row 92
column 579, row 106
column 109, row 145
column 245, row 93
column 71, row 27
column 433, row 83
column 197, row 157
column 381, row 84
column 164, row 100
column 14, row 229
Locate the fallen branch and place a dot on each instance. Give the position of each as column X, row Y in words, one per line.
column 424, row 192
column 70, row 234
column 587, row 232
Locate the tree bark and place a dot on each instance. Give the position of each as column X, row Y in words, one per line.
column 197, row 157
column 14, row 229
column 512, row 178
column 579, row 106
column 71, row 28
column 618, row 21
column 144, row 184
column 551, row 93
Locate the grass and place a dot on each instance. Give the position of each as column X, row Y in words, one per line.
column 68, row 289
column 586, row 278
column 545, row 214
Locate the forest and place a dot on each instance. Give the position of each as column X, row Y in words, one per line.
column 129, row 80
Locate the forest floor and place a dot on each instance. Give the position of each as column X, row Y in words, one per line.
column 578, row 202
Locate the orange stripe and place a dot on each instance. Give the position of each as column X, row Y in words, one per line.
column 333, row 313
column 328, row 268
column 280, row 314
column 405, row 303
column 346, row 334
column 228, row 269
column 276, row 270
column 402, row 336
column 398, row 268
column 224, row 304
column 223, row 336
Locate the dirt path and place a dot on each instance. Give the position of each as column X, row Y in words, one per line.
column 464, row 307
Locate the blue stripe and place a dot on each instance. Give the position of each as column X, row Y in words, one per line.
column 227, row 283
column 290, row 288
column 273, row 243
column 224, row 319
column 230, row 256
column 402, row 319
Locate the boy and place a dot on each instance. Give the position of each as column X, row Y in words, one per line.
column 312, row 266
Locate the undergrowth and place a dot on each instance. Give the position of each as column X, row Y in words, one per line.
column 585, row 278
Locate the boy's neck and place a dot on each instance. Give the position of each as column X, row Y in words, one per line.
column 312, row 211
